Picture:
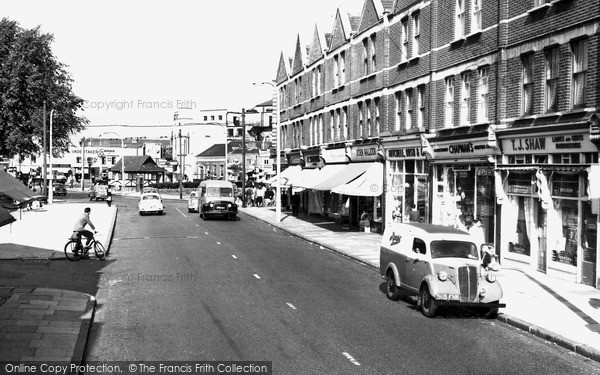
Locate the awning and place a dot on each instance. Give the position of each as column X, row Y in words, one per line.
column 368, row 184
column 316, row 179
column 5, row 217
column 288, row 176
column 334, row 175
column 18, row 195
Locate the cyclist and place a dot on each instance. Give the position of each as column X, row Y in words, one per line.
column 80, row 224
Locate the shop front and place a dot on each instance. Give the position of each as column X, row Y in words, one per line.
column 406, row 185
column 463, row 179
column 548, row 221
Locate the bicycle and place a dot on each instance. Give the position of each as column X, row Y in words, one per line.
column 75, row 250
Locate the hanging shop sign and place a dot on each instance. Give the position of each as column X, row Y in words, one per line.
column 312, row 161
column 545, row 144
column 364, row 152
column 334, row 155
column 294, row 158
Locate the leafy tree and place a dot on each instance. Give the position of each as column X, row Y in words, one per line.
column 30, row 76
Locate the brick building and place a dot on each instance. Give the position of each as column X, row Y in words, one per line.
column 477, row 109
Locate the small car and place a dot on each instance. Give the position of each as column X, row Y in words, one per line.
column 215, row 198
column 150, row 203
column 193, row 202
column 98, row 191
column 149, row 190
column 441, row 264
column 59, row 189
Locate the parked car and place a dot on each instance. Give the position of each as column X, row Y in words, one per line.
column 98, row 191
column 59, row 189
column 441, row 264
column 215, row 198
column 150, row 203
column 149, row 190
column 193, row 202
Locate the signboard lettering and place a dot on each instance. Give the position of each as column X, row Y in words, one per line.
column 549, row 144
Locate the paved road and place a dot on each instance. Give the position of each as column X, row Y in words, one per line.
column 177, row 287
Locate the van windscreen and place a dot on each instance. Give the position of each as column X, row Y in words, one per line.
column 214, row 191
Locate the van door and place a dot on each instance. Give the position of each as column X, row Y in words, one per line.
column 417, row 264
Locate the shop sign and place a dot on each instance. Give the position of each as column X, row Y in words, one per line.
column 101, row 152
column 311, row 161
column 406, row 153
column 364, row 153
column 294, row 159
column 334, row 155
column 549, row 144
column 464, row 149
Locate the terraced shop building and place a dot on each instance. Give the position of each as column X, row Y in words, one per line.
column 475, row 109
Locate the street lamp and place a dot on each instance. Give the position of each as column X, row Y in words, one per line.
column 51, row 191
column 122, row 160
column 278, row 160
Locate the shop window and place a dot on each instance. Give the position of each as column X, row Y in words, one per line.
column 565, row 185
column 562, row 231
column 540, row 159
column 518, row 211
column 519, row 159
column 589, row 233
column 519, row 183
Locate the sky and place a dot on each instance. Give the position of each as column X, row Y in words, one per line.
column 135, row 62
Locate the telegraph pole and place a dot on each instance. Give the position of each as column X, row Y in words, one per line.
column 243, row 157
column 180, row 167
column 45, row 188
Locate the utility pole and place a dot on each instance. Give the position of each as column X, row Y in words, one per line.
column 82, row 162
column 180, row 167
column 45, row 188
column 243, row 157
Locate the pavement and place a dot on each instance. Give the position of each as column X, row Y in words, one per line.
column 42, row 324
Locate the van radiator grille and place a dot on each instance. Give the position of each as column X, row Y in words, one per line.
column 467, row 282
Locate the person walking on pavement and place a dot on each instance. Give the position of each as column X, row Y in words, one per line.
column 80, row 224
column 295, row 204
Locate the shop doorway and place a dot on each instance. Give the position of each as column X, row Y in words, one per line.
column 588, row 264
column 542, row 234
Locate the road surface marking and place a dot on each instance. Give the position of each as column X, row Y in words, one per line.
column 205, row 232
column 192, row 237
column 234, row 257
column 351, row 359
column 182, row 214
column 218, row 243
column 255, row 275
column 291, row 306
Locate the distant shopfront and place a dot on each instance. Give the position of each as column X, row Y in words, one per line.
column 548, row 221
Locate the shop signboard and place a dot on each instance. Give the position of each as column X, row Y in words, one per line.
column 334, row 155
column 548, row 143
column 462, row 149
column 364, row 152
column 405, row 153
column 311, row 161
column 294, row 158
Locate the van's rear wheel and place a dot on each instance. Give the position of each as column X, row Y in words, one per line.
column 392, row 291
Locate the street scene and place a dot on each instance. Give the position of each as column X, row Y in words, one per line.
column 383, row 187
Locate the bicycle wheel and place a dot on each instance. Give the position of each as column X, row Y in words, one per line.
column 70, row 251
column 99, row 250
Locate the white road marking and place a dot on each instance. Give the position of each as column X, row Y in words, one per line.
column 255, row 275
column 182, row 214
column 205, row 232
column 233, row 256
column 291, row 306
column 192, row 237
column 351, row 359
column 218, row 243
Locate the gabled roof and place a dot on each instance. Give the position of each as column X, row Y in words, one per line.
column 135, row 164
column 283, row 71
column 298, row 64
column 372, row 13
column 317, row 47
column 341, row 30
column 218, row 149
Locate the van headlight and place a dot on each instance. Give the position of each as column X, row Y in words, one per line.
column 490, row 277
column 228, row 205
column 443, row 276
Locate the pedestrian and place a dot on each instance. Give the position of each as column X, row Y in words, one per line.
column 295, row 204
column 260, row 196
column 108, row 198
column 414, row 216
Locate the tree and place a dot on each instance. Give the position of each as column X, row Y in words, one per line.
column 30, row 76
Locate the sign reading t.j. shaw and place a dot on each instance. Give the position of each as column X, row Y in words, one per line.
column 549, row 144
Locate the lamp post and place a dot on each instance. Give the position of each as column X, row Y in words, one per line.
column 278, row 159
column 51, row 190
column 122, row 160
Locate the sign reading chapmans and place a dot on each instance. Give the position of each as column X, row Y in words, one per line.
column 549, row 144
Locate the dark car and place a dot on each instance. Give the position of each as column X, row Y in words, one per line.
column 59, row 189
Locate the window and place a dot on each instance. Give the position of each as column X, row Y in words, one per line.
column 377, row 122
column 314, row 83
column 320, row 135
column 398, row 110
column 212, row 118
column 338, row 124
column 332, row 125
column 345, row 121
column 465, row 99
column 220, row 117
column 421, row 106
column 366, row 56
column 342, row 68
column 476, row 16
column 538, row 3
column 416, row 32
column 404, row 47
column 580, row 66
column 319, row 77
column 360, row 119
column 336, row 72
column 205, row 118
column 373, row 54
column 459, row 22
column 483, row 102
column 368, row 126
column 527, row 91
column 409, row 108
column 449, row 99
column 551, row 99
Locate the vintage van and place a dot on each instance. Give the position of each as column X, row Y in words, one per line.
column 216, row 198
column 440, row 264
